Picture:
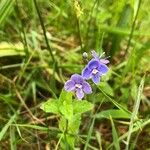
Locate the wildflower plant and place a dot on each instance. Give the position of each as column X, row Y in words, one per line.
column 70, row 109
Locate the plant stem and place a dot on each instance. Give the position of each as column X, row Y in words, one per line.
column 44, row 30
column 79, row 34
column 133, row 27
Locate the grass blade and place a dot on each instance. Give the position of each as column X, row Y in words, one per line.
column 89, row 134
column 99, row 139
column 122, row 24
column 135, row 112
column 6, row 7
column 115, row 135
column 140, row 125
column 114, row 113
column 133, row 25
column 114, row 102
column 5, row 128
column 12, row 139
column 44, row 30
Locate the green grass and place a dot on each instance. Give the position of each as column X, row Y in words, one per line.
column 41, row 45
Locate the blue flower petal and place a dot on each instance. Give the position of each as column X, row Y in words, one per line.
column 87, row 88
column 86, row 73
column 69, row 85
column 94, row 63
column 96, row 78
column 77, row 78
column 103, row 68
column 79, row 93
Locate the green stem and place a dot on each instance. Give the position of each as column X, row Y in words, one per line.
column 79, row 34
column 133, row 27
column 24, row 38
column 65, row 136
column 44, row 30
column 89, row 24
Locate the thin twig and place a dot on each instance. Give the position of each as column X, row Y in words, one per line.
column 26, row 107
column 44, row 119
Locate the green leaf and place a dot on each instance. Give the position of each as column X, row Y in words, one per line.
column 36, row 127
column 66, row 109
column 65, row 104
column 80, row 107
column 13, row 144
column 118, row 105
column 106, row 88
column 74, row 124
column 65, row 96
column 51, row 106
column 62, row 124
column 6, row 7
column 115, row 135
column 6, row 126
column 67, row 142
column 114, row 113
column 134, row 90
column 135, row 112
column 70, row 141
column 7, row 49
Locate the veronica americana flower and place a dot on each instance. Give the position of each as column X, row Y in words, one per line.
column 79, row 85
column 96, row 56
column 94, row 70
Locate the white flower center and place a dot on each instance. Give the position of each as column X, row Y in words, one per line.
column 94, row 71
column 78, row 86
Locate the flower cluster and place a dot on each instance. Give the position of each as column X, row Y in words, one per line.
column 95, row 68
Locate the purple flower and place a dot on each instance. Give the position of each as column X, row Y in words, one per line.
column 96, row 56
column 94, row 70
column 79, row 85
